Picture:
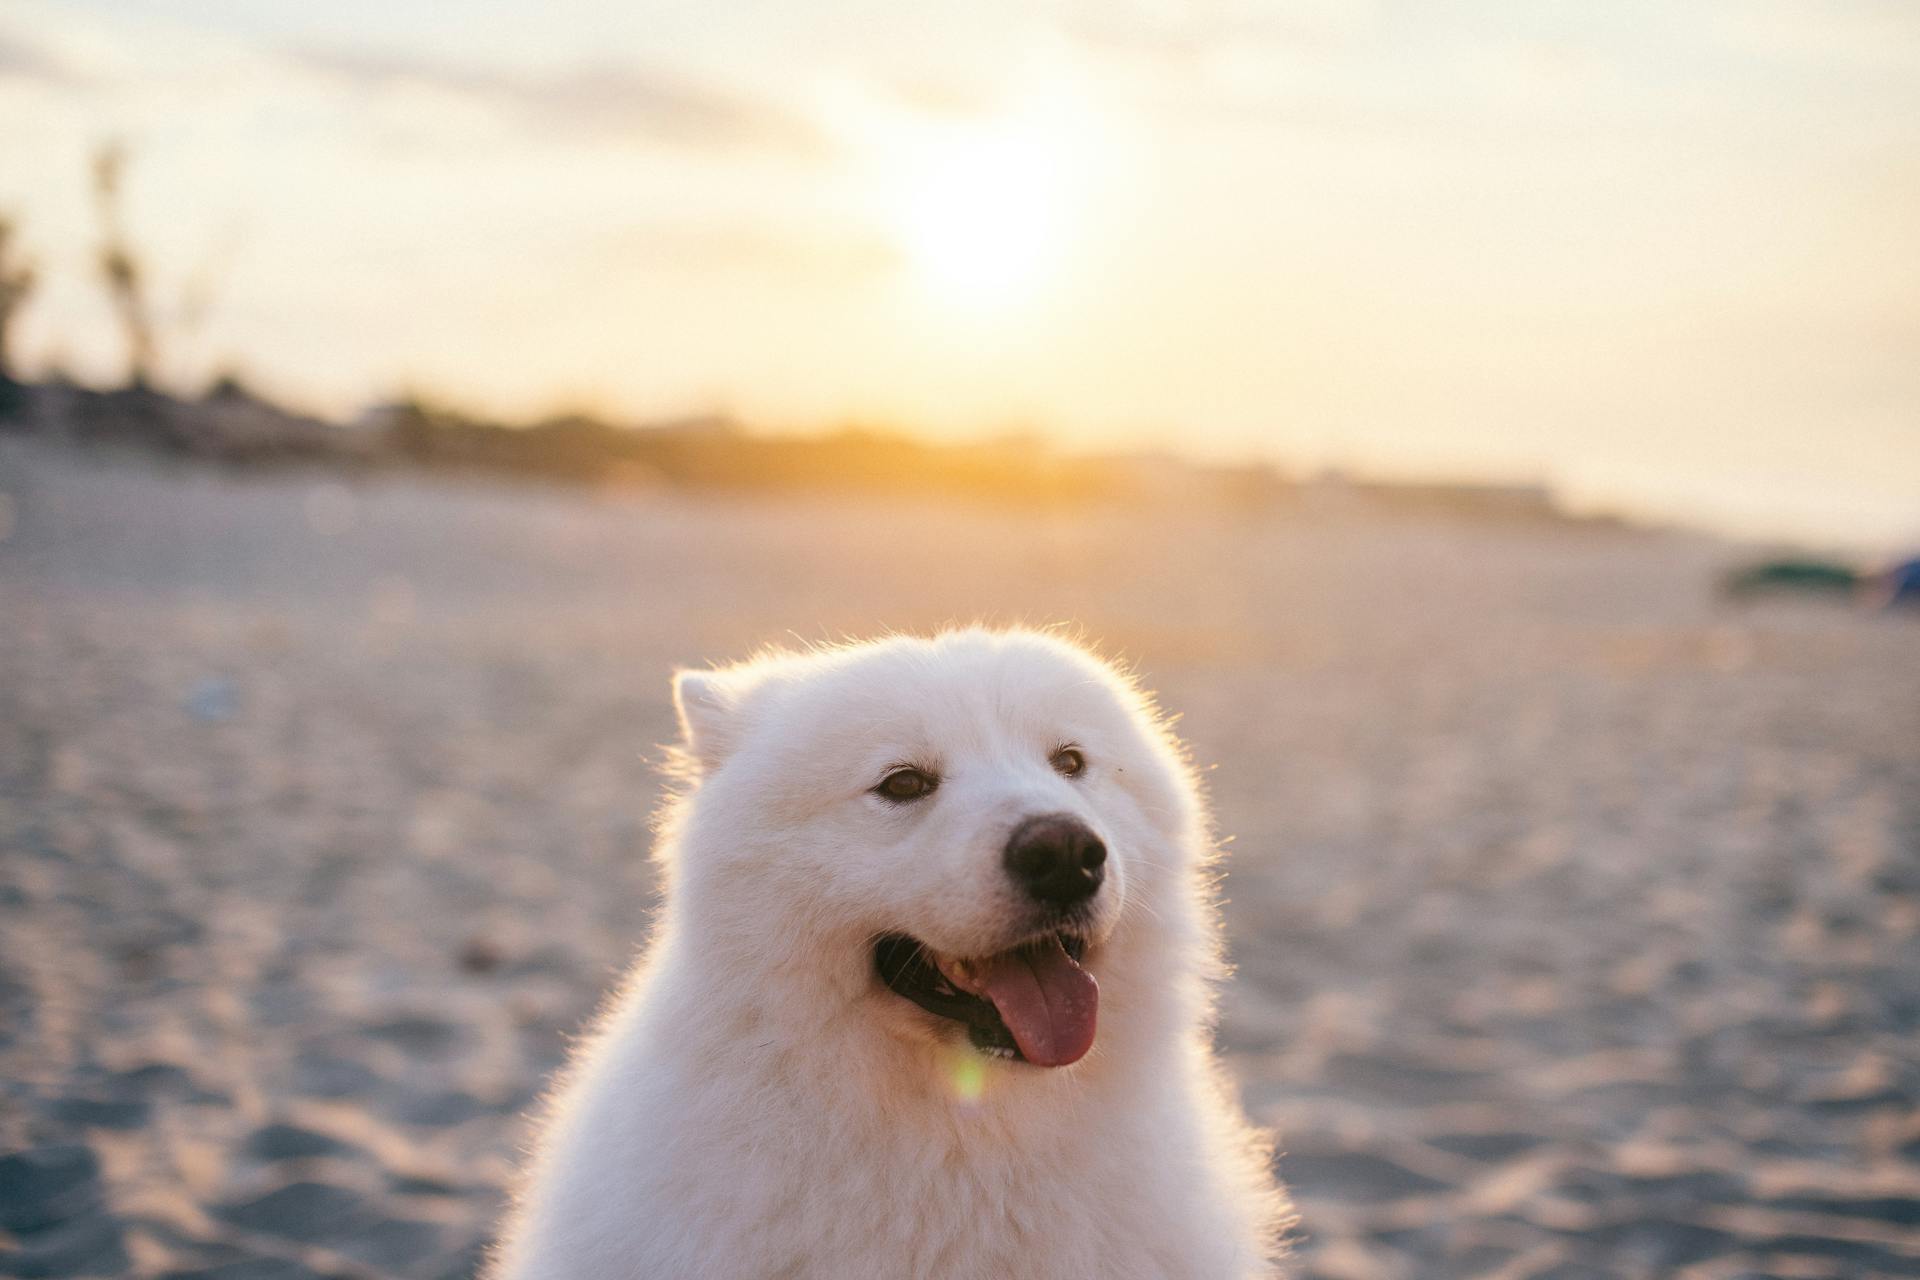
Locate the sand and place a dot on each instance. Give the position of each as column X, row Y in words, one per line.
column 1575, row 913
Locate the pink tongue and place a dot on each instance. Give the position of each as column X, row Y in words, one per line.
column 1046, row 1000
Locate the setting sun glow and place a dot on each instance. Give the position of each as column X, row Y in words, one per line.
column 984, row 221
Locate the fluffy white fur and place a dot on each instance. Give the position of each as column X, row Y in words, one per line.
column 755, row 1103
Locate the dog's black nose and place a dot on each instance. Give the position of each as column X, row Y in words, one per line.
column 1056, row 859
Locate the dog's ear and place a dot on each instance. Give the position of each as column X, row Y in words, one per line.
column 708, row 703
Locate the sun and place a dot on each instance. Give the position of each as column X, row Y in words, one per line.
column 984, row 218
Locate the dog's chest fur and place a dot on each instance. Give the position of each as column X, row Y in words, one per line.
column 768, row 1163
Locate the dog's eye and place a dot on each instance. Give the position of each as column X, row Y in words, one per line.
column 1068, row 762
column 903, row 785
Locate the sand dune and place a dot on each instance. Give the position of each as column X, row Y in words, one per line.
column 1575, row 915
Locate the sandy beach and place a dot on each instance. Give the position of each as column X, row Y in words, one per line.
column 1576, row 913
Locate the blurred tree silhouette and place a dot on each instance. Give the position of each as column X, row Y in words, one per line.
column 17, row 279
column 126, row 278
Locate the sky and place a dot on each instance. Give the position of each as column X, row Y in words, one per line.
column 1665, row 257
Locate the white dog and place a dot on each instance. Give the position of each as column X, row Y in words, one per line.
column 930, row 995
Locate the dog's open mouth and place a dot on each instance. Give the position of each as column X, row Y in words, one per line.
column 1033, row 1003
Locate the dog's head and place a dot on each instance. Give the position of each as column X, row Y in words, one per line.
column 971, row 824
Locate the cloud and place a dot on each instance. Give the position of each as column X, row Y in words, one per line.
column 603, row 99
column 22, row 61
column 1179, row 34
column 939, row 99
column 1864, row 36
column 762, row 249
